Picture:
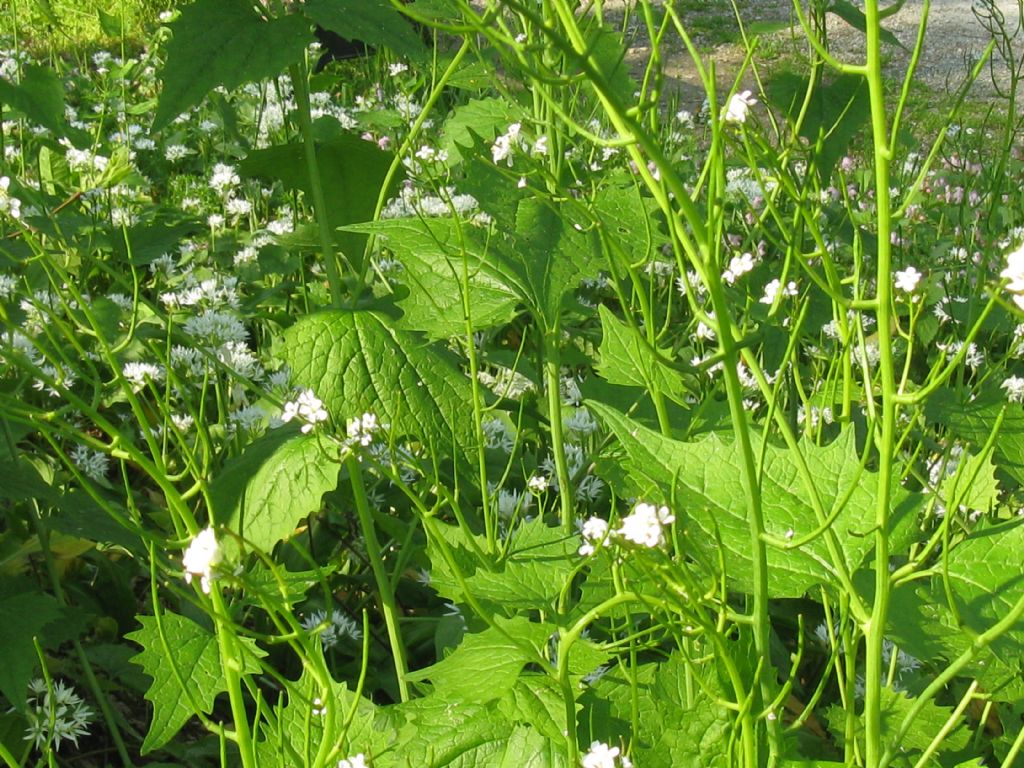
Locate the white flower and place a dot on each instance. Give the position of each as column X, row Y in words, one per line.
column 93, row 464
column 338, row 625
column 504, row 144
column 1014, row 273
column 356, row 761
column 600, row 755
column 360, row 429
column 908, row 279
column 202, row 555
column 1014, row 387
column 771, row 291
column 308, row 407
column 9, row 205
column 644, row 526
column 512, row 502
column 224, row 177
column 538, row 484
column 175, row 152
column 137, row 373
column 594, row 532
column 738, row 265
column 738, row 107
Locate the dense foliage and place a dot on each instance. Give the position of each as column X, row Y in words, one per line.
column 476, row 403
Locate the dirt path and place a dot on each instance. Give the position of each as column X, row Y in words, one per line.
column 954, row 39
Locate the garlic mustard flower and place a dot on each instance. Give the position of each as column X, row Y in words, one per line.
column 202, row 555
column 738, row 107
column 356, row 761
column 1014, row 273
column 907, row 279
column 1014, row 387
column 600, row 755
column 594, row 532
column 307, row 407
column 360, row 429
column 9, row 205
column 645, row 524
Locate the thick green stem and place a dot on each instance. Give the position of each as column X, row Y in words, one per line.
column 886, row 438
column 384, row 587
column 233, row 666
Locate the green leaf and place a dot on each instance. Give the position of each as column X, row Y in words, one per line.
column 973, row 419
column 895, row 707
column 532, row 575
column 111, row 25
column 224, row 42
column 145, row 242
column 22, row 482
column 475, row 124
column 837, row 111
column 526, row 748
column 985, row 573
column 279, row 480
column 627, row 218
column 435, row 255
column 546, row 257
column 352, row 172
column 707, row 479
column 79, row 515
column 974, row 484
column 855, row 17
column 356, row 362
column 625, row 359
column 39, row 96
column 187, row 672
column 537, row 700
column 439, row 732
column 22, row 618
column 312, row 709
column 486, row 665
column 376, row 22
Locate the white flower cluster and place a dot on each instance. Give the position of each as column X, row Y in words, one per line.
column 9, row 205
column 600, row 755
column 307, row 407
column 1014, row 386
column 907, row 279
column 360, row 429
column 64, row 716
column 738, row 108
column 201, row 557
column 356, row 761
column 337, row 626
column 644, row 526
column 1014, row 273
column 775, row 288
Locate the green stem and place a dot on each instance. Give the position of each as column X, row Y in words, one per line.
column 231, row 662
column 875, row 630
column 552, row 371
column 384, row 587
column 327, row 246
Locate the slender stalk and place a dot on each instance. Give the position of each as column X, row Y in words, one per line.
column 552, row 373
column 327, row 246
column 384, row 587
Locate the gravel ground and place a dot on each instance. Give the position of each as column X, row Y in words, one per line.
column 954, row 38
